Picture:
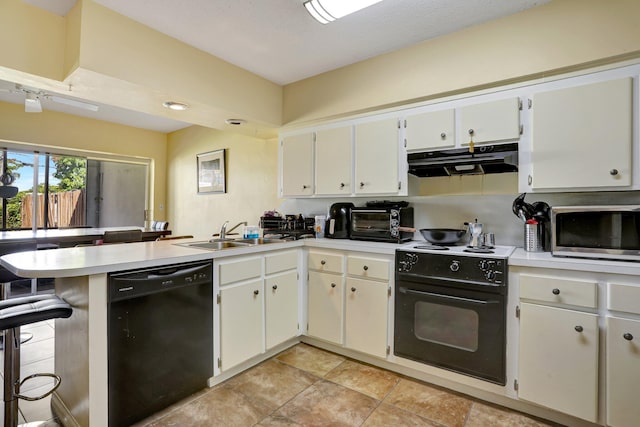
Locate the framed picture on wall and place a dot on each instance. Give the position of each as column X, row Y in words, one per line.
column 211, row 172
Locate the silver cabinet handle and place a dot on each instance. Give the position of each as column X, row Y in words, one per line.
column 613, row 172
column 443, row 135
column 365, row 268
column 556, row 291
column 627, row 336
column 579, row 328
column 471, row 131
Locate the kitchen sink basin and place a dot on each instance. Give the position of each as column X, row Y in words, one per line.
column 218, row 244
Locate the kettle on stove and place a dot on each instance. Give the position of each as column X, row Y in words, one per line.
column 475, row 234
column 339, row 221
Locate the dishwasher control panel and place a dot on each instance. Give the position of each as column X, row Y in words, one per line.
column 130, row 284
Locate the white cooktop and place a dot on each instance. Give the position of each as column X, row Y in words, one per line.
column 463, row 249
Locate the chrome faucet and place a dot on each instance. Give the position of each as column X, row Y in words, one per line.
column 224, row 231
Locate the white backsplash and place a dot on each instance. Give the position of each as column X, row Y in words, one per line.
column 493, row 211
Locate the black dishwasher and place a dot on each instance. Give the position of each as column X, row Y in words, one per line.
column 160, row 334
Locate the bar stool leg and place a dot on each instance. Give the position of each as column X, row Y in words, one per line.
column 12, row 372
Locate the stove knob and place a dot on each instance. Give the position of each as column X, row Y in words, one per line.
column 483, row 264
column 490, row 275
column 455, row 266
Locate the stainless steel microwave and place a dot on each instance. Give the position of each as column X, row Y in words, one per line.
column 609, row 232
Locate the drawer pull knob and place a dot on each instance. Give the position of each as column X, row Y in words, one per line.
column 613, row 172
column 579, row 328
column 362, row 185
column 274, row 287
column 556, row 291
column 353, row 289
column 256, row 292
column 365, row 268
column 627, row 336
column 333, row 285
column 323, row 262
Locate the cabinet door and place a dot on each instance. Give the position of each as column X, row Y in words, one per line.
column 334, row 161
column 366, row 316
column 281, row 294
column 376, row 157
column 325, row 306
column 490, row 121
column 241, row 323
column 431, row 130
column 623, row 372
column 581, row 136
column 558, row 364
column 297, row 165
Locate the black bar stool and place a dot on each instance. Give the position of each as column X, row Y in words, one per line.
column 15, row 313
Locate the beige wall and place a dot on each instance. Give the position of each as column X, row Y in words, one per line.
column 559, row 35
column 50, row 130
column 251, row 165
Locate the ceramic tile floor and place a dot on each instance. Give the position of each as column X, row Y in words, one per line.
column 306, row 386
column 302, row 386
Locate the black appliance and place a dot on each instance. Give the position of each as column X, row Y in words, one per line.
column 339, row 221
column 160, row 335
column 382, row 221
column 485, row 159
column 450, row 309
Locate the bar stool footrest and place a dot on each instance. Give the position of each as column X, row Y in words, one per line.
column 57, row 379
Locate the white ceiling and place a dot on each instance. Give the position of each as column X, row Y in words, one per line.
column 278, row 39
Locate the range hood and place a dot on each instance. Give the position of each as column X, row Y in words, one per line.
column 485, row 159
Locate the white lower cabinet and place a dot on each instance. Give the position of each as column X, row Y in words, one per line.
column 366, row 316
column 258, row 304
column 349, row 310
column 281, row 314
column 241, row 325
column 623, row 355
column 558, row 363
column 558, row 346
column 325, row 306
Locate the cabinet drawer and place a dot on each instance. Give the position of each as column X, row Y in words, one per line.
column 323, row 261
column 281, row 261
column 242, row 269
column 558, row 290
column 368, row 267
column 624, row 298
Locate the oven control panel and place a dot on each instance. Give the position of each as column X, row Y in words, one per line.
column 454, row 267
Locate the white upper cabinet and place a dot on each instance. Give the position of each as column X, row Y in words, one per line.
column 296, row 170
column 488, row 122
column 582, row 137
column 431, row 130
column 334, row 161
column 376, row 157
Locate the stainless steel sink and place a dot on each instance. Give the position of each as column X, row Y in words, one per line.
column 218, row 244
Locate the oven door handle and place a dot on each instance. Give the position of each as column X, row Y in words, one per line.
column 449, row 297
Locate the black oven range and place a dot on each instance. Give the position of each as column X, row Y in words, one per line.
column 450, row 308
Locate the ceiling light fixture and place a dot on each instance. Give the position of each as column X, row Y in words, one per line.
column 235, row 122
column 176, row 106
column 325, row 11
column 32, row 103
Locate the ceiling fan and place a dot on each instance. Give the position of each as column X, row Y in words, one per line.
column 33, row 97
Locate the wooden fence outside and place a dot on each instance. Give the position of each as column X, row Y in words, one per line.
column 66, row 209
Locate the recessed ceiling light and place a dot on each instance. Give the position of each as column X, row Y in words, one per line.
column 177, row 106
column 235, row 122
